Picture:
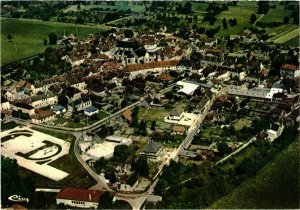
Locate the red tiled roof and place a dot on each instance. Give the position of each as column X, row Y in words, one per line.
column 79, row 194
column 177, row 128
column 165, row 77
column 289, row 67
column 42, row 114
column 127, row 114
column 152, row 65
column 111, row 65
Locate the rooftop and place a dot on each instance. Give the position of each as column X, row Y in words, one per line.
column 79, row 194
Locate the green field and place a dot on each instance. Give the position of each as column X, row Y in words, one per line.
column 151, row 114
column 276, row 186
column 276, row 14
column 293, row 42
column 28, row 36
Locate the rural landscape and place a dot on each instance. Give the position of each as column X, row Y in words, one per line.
column 150, row 105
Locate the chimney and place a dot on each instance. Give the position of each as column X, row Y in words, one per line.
column 90, row 197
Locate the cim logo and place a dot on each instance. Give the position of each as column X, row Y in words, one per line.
column 17, row 198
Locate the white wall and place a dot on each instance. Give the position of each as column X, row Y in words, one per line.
column 81, row 204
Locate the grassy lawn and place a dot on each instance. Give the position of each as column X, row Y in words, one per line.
column 9, row 125
column 276, row 14
column 276, row 186
column 240, row 124
column 151, row 114
column 241, row 12
column 78, row 176
column 70, row 123
column 28, row 36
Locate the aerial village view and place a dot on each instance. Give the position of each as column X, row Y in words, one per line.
column 150, row 105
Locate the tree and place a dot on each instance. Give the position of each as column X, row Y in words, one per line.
column 141, row 166
column 233, row 22
column 253, row 18
column 153, row 125
column 286, row 20
column 110, row 173
column 223, row 148
column 105, row 201
column 121, row 153
column 52, row 38
column 128, row 33
column 62, row 100
column 195, row 18
column 9, row 37
column 45, row 41
column 224, row 23
column 263, row 7
column 78, row 7
column 143, row 128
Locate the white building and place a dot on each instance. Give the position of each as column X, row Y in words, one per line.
column 79, row 198
column 290, row 71
column 80, row 86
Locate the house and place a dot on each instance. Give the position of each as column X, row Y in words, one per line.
column 72, row 93
column 5, row 105
column 79, row 85
column 27, row 86
column 26, row 108
column 15, row 93
column 178, row 129
column 91, row 111
column 42, row 100
column 82, row 104
column 176, row 114
column 153, row 67
column 290, row 71
column 152, row 149
column 42, row 116
column 58, row 109
column 128, row 116
column 274, row 132
column 188, row 87
column 79, row 198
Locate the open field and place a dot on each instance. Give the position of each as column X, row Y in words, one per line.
column 28, row 36
column 293, row 42
column 288, row 36
column 276, row 14
column 241, row 123
column 151, row 114
column 275, row 186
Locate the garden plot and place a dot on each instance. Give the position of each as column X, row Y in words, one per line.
column 30, row 147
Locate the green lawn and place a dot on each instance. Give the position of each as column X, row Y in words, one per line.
column 28, row 36
column 276, row 186
column 293, row 42
column 242, row 12
column 276, row 14
column 152, row 113
column 241, row 123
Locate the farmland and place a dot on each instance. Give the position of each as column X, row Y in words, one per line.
column 279, row 180
column 28, row 36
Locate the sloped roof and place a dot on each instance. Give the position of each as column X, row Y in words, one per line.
column 79, row 194
column 127, row 114
column 289, row 67
column 176, row 111
column 152, row 147
column 177, row 128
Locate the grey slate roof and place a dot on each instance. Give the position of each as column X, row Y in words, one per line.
column 176, row 111
column 152, row 147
